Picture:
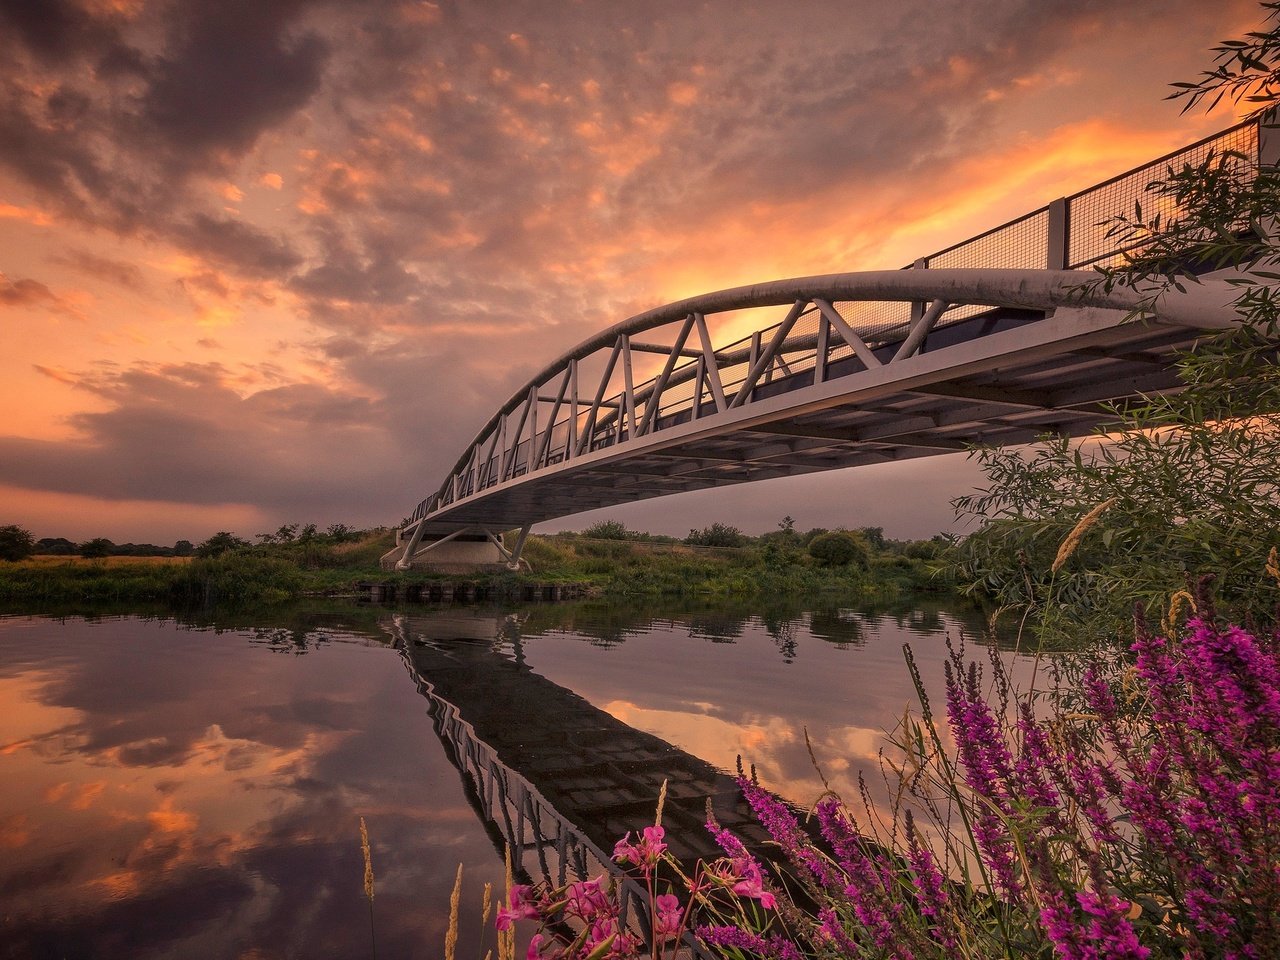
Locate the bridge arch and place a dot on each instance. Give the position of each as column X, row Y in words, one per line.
column 818, row 373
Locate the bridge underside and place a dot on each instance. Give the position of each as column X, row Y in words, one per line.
column 1006, row 376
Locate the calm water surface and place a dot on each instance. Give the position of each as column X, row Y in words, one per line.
column 170, row 789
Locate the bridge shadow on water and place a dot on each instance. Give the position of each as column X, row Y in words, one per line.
column 551, row 776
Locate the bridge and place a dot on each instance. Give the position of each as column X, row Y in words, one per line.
column 994, row 341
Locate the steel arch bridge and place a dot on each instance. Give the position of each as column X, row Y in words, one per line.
column 995, row 341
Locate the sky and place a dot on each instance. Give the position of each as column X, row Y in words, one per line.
column 277, row 262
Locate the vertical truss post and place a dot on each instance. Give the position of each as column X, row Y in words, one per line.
column 820, row 351
column 699, row 386
column 627, row 413
column 917, row 306
column 509, row 461
column 544, row 448
column 533, row 427
column 573, row 409
column 1059, row 235
column 489, row 479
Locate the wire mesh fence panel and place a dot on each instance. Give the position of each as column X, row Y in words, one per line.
column 1021, row 244
column 1093, row 236
column 876, row 322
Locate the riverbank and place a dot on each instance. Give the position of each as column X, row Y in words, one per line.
column 275, row 573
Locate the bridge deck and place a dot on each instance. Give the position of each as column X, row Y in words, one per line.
column 1026, row 375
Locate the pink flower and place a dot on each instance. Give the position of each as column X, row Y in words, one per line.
column 752, row 885
column 535, row 944
column 623, row 945
column 587, row 899
column 521, row 907
column 645, row 852
column 667, row 916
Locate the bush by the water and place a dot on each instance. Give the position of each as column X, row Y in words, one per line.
column 839, row 548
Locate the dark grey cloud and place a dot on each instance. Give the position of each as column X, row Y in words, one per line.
column 181, row 434
column 236, row 244
column 57, row 30
column 230, row 70
column 117, row 122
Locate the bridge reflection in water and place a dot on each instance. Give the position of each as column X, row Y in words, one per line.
column 552, row 777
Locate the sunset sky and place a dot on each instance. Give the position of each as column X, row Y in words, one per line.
column 269, row 262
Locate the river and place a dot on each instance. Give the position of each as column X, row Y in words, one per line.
column 192, row 788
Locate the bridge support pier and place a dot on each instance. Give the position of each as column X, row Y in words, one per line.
column 512, row 555
column 470, row 549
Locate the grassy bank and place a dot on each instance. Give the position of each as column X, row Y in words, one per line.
column 273, row 573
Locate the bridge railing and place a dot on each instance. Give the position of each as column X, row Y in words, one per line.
column 596, row 397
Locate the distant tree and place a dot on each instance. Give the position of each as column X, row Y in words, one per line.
column 16, row 543
column 183, row 548
column 97, row 547
column 839, row 548
column 788, row 524
column 874, row 536
column 339, row 533
column 308, row 532
column 220, row 543
column 608, row 530
column 716, row 535
column 55, row 546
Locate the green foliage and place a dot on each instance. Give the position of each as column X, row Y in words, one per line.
column 15, row 543
column 236, row 578
column 1200, row 498
column 716, row 535
column 839, row 548
column 183, row 548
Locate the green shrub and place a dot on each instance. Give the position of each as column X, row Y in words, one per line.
column 839, row 548
column 237, row 578
column 716, row 535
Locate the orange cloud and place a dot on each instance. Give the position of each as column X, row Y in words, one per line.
column 30, row 215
